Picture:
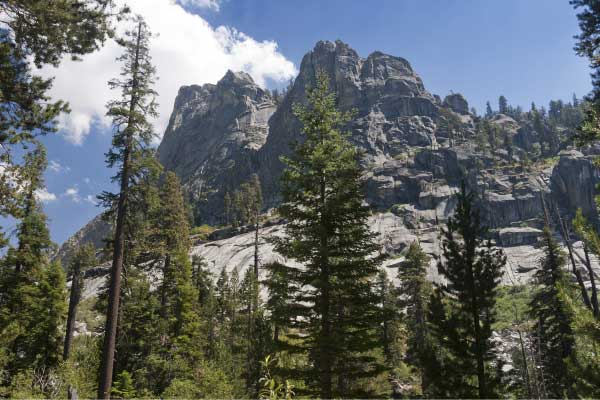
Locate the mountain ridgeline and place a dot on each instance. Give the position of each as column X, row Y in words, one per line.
column 416, row 147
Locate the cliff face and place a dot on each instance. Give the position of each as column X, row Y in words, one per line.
column 393, row 109
column 220, row 134
column 213, row 137
column 414, row 159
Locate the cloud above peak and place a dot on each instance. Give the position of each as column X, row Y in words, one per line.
column 186, row 50
column 210, row 4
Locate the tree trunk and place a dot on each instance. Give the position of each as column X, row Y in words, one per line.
column 567, row 240
column 325, row 356
column 523, row 357
column 590, row 271
column 163, row 289
column 74, row 299
column 114, row 291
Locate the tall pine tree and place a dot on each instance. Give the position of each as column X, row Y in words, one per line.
column 32, row 288
column 133, row 134
column 552, row 331
column 415, row 292
column 472, row 268
column 327, row 231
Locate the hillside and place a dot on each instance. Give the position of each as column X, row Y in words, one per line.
column 417, row 149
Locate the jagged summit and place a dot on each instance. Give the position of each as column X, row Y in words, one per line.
column 239, row 78
column 413, row 159
column 219, row 134
column 214, row 130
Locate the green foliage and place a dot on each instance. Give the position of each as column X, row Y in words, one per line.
column 462, row 310
column 83, row 259
column 202, row 231
column 416, row 291
column 136, row 169
column 271, row 389
column 449, row 124
column 587, row 41
column 209, row 383
column 32, row 305
column 511, row 300
column 39, row 32
column 553, row 322
column 584, row 366
column 46, row 31
column 80, row 371
column 336, row 307
column 243, row 206
column 123, row 387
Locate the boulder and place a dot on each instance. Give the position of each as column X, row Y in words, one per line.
column 519, row 236
column 457, row 103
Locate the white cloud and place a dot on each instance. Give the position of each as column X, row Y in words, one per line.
column 57, row 167
column 86, row 180
column 186, row 51
column 44, row 195
column 91, row 199
column 73, row 194
column 210, row 4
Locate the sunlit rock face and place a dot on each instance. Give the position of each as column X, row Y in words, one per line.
column 213, row 137
column 219, row 135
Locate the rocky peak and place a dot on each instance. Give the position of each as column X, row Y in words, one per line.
column 392, row 106
column 215, row 131
column 457, row 103
column 239, row 78
column 221, row 134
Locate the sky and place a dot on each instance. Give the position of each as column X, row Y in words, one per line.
column 522, row 49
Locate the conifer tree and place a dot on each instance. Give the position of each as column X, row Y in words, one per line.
column 472, row 268
column 416, row 290
column 553, row 332
column 32, row 300
column 328, row 232
column 207, row 301
column 83, row 259
column 488, row 110
column 132, row 136
column 227, row 208
column 40, row 33
column 502, row 105
column 222, row 294
column 390, row 326
column 587, row 43
column 178, row 295
column 280, row 285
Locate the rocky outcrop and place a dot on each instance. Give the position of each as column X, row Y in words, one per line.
column 413, row 160
column 393, row 109
column 96, row 231
column 213, row 138
column 519, row 236
column 574, row 181
column 457, row 103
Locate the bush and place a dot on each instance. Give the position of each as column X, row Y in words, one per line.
column 203, row 231
column 210, row 383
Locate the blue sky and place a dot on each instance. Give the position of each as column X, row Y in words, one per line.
column 481, row 48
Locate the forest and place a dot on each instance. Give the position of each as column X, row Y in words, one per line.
column 332, row 322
